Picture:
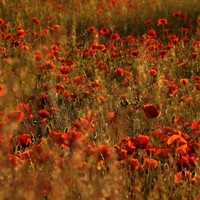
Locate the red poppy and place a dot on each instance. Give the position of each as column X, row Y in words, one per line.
column 1, row 21
column 150, row 163
column 176, row 14
column 133, row 163
column 162, row 22
column 43, row 113
column 79, row 81
column 65, row 69
column 120, row 71
column 184, row 81
column 2, row 91
column 57, row 138
column 172, row 89
column 151, row 111
column 111, row 116
column 115, row 36
column 15, row 116
column 193, row 54
column 24, row 140
column 21, row 33
column 134, row 53
column 72, row 138
column 104, row 31
column 151, row 34
column 157, row 133
column 175, row 138
column 148, row 22
column 140, row 141
column 103, row 152
column 36, row 21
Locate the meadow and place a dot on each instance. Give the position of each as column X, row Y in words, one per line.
column 99, row 100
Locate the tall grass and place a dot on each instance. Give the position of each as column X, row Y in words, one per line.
column 86, row 114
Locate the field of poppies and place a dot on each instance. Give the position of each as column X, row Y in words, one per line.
column 99, row 100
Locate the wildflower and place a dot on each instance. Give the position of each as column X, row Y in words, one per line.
column 115, row 36
column 153, row 71
column 65, row 69
column 43, row 113
column 172, row 89
column 104, row 31
column 134, row 53
column 151, row 111
column 176, row 14
column 2, row 91
column 151, row 34
column 24, row 140
column 111, row 116
column 193, row 54
column 103, row 152
column 133, row 163
column 150, row 163
column 21, row 33
column 1, row 21
column 183, row 81
column 148, row 22
column 15, row 116
column 36, row 21
column 140, row 141
column 162, row 22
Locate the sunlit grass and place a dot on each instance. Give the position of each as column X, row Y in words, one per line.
column 99, row 100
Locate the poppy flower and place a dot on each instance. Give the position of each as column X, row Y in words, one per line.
column 153, row 71
column 72, row 138
column 162, row 22
column 21, row 33
column 2, row 91
column 148, row 22
column 140, row 141
column 111, row 116
column 104, row 31
column 115, row 36
column 151, row 111
column 15, row 116
column 134, row 53
column 57, row 137
column 133, row 163
column 43, row 113
column 36, row 21
column 172, row 89
column 1, row 21
column 150, row 163
column 151, row 33
column 103, row 152
column 24, row 140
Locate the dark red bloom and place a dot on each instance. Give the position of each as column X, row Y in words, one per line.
column 43, row 113
column 148, row 22
column 15, row 116
column 24, row 140
column 135, row 53
column 133, row 163
column 1, row 21
column 2, row 91
column 36, row 21
column 162, row 22
column 115, row 36
column 21, row 33
column 104, row 31
column 151, row 111
column 103, row 152
column 140, row 141
column 172, row 89
column 151, row 34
